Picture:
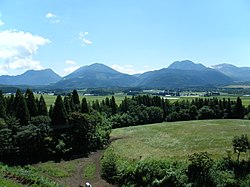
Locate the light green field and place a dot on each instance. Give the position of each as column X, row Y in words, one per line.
column 177, row 140
column 50, row 99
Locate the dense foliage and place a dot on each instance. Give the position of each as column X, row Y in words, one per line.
column 28, row 133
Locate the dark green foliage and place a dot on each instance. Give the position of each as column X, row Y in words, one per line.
column 2, row 105
column 199, row 170
column 108, row 167
column 206, row 113
column 238, row 110
column 59, row 115
column 75, row 100
column 84, row 106
column 42, row 107
column 240, row 144
column 21, row 109
column 31, row 103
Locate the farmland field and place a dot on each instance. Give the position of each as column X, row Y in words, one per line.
column 50, row 99
column 177, row 140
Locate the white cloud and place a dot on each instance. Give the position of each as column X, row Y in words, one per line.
column 129, row 69
column 53, row 17
column 17, row 49
column 70, row 69
column 82, row 37
column 71, row 62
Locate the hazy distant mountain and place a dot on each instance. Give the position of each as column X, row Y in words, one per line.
column 95, row 76
column 186, row 65
column 31, row 77
column 183, row 74
column 236, row 73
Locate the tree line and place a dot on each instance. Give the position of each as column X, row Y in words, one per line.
column 30, row 133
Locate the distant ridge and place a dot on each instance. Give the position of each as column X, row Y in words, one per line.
column 96, row 76
column 186, row 65
column 179, row 74
column 31, row 77
column 183, row 74
column 236, row 73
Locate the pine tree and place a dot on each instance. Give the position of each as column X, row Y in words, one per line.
column 42, row 107
column 238, row 111
column 76, row 100
column 59, row 113
column 113, row 105
column 31, row 103
column 21, row 109
column 10, row 109
column 2, row 106
column 84, row 106
column 67, row 104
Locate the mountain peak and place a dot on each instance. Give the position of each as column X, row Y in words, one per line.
column 89, row 69
column 186, row 65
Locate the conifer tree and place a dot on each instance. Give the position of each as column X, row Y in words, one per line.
column 42, row 107
column 67, row 104
column 2, row 106
column 113, row 105
column 84, row 106
column 76, row 100
column 59, row 113
column 238, row 111
column 31, row 103
column 21, row 109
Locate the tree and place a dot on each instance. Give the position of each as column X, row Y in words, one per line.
column 240, row 145
column 84, row 106
column 42, row 107
column 76, row 100
column 31, row 103
column 59, row 113
column 199, row 170
column 21, row 109
column 113, row 105
column 238, row 110
column 2, row 106
column 205, row 113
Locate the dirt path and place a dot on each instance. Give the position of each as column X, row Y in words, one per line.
column 77, row 178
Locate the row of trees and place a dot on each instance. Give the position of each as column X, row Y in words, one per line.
column 29, row 133
column 28, row 130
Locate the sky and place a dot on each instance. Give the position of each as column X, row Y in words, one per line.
column 131, row 36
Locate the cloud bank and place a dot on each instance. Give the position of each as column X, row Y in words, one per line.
column 17, row 49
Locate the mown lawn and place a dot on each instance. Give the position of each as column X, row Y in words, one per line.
column 177, row 140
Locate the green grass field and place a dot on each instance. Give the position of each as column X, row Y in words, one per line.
column 50, row 99
column 177, row 140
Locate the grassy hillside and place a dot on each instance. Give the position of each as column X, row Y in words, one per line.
column 178, row 139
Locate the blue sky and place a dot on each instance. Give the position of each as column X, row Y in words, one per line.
column 131, row 36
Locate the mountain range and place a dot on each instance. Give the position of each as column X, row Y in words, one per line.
column 31, row 78
column 177, row 75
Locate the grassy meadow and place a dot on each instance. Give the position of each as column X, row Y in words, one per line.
column 50, row 99
column 177, row 140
